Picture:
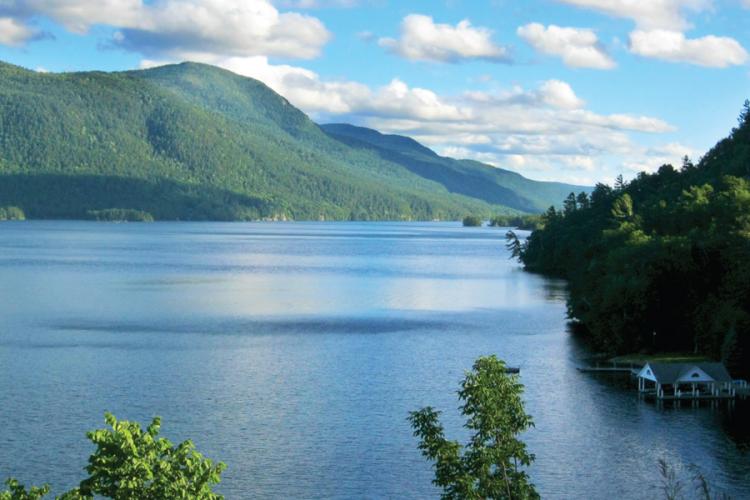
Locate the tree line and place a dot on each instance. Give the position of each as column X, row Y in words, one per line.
column 659, row 263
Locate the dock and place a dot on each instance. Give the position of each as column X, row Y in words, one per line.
column 703, row 381
column 612, row 367
column 741, row 389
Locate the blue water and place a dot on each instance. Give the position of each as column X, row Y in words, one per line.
column 294, row 351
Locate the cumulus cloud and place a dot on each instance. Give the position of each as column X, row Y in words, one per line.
column 184, row 28
column 76, row 15
column 317, row 4
column 554, row 93
column 660, row 31
column 578, row 48
column 422, row 39
column 647, row 14
column 710, row 51
column 14, row 33
column 559, row 95
column 650, row 159
column 306, row 90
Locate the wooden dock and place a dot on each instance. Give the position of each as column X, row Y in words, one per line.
column 679, row 389
column 632, row 368
column 722, row 396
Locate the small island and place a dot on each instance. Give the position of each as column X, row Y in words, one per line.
column 472, row 221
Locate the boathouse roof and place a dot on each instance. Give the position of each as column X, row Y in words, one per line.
column 671, row 373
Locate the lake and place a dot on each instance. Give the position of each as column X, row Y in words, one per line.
column 294, row 352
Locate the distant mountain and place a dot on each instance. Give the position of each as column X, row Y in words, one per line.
column 467, row 177
column 192, row 141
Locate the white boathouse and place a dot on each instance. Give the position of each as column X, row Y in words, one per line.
column 677, row 381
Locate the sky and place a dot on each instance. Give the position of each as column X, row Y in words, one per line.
column 569, row 90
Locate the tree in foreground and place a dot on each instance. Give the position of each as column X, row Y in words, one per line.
column 491, row 464
column 130, row 463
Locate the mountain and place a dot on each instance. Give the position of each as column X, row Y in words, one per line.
column 192, row 141
column 466, row 177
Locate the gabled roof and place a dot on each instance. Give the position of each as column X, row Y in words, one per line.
column 666, row 373
column 717, row 371
column 669, row 373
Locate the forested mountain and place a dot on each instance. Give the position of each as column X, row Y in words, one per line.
column 467, row 177
column 192, row 141
column 660, row 263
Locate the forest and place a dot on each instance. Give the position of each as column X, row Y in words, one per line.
column 195, row 142
column 660, row 263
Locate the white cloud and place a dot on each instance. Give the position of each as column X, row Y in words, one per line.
column 660, row 31
column 650, row 159
column 14, row 33
column 317, row 4
column 306, row 90
column 181, row 28
column 559, row 95
column 711, row 51
column 648, row 14
column 578, row 48
column 424, row 40
column 554, row 93
column 79, row 15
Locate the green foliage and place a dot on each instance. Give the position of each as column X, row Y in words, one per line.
column 471, row 178
column 491, row 464
column 664, row 253
column 472, row 221
column 194, row 142
column 526, row 222
column 11, row 213
column 513, row 244
column 622, row 208
column 131, row 463
column 120, row 215
column 17, row 491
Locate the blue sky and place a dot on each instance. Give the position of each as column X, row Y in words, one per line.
column 571, row 90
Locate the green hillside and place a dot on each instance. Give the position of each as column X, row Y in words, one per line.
column 467, row 177
column 192, row 141
column 660, row 263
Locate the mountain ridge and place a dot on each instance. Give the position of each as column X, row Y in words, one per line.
column 486, row 182
column 192, row 141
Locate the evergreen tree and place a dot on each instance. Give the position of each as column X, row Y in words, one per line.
column 620, row 183
column 582, row 200
column 513, row 244
column 569, row 205
column 667, row 253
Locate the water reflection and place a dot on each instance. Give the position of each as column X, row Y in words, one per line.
column 295, row 351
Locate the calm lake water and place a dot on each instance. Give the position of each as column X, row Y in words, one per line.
column 294, row 351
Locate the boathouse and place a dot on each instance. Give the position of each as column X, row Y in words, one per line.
column 686, row 381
